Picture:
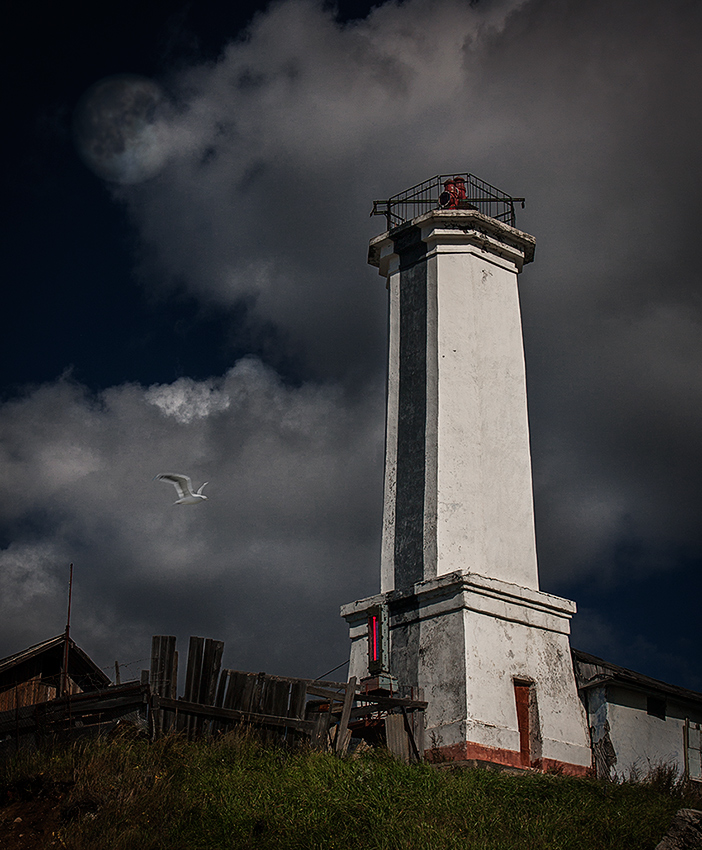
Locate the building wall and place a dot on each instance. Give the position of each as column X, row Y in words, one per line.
column 31, row 692
column 465, row 641
column 26, row 693
column 498, row 652
column 639, row 741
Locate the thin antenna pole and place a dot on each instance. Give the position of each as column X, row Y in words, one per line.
column 64, row 683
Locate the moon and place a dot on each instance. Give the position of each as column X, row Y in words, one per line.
column 119, row 130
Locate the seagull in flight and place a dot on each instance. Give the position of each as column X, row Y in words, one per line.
column 184, row 486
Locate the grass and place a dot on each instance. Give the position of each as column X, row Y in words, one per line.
column 235, row 793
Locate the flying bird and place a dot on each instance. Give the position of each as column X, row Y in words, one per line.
column 184, row 486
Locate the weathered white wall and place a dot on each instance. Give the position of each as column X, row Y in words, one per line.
column 387, row 551
column 641, row 741
column 478, row 503
column 463, row 639
column 484, row 503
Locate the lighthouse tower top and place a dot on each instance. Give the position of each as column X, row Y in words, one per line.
column 462, row 191
column 458, row 485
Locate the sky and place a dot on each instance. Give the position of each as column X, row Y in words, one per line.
column 219, row 318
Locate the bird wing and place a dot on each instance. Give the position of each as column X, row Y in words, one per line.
column 199, row 492
column 182, row 483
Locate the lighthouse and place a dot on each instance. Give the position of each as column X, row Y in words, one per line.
column 460, row 615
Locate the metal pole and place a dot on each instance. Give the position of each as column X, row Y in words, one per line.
column 64, row 678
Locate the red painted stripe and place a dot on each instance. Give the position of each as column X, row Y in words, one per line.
column 509, row 758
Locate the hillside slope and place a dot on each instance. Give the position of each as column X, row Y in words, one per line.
column 235, row 793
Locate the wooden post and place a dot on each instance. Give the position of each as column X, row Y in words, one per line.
column 396, row 737
column 410, row 734
column 193, row 675
column 211, row 662
column 164, row 671
column 342, row 743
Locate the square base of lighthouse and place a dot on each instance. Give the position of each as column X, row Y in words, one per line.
column 493, row 661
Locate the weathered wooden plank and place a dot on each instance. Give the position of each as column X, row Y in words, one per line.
column 231, row 695
column 396, row 737
column 410, row 726
column 320, row 732
column 193, row 674
column 199, row 710
column 154, row 678
column 158, row 645
column 277, row 697
column 326, row 693
column 298, row 698
column 219, row 725
column 339, row 742
column 162, row 653
column 241, row 691
column 276, row 700
column 105, row 703
column 222, row 687
column 259, row 693
column 170, row 679
column 211, row 663
column 173, row 691
column 342, row 739
column 82, row 707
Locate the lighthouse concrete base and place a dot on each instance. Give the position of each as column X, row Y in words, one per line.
column 493, row 661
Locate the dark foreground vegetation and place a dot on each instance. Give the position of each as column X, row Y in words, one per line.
column 234, row 793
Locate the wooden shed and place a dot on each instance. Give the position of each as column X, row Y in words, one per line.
column 35, row 674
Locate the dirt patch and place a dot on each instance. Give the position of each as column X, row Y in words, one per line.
column 31, row 813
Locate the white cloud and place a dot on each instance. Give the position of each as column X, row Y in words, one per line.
column 186, row 400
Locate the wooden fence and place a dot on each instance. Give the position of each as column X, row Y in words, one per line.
column 77, row 714
column 325, row 714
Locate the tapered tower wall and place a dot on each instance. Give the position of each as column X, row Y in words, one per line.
column 467, row 622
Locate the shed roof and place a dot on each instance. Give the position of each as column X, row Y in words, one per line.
column 79, row 662
column 591, row 671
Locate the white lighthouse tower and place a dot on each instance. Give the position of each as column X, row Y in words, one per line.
column 460, row 614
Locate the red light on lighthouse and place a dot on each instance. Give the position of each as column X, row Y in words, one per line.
column 374, row 627
column 377, row 636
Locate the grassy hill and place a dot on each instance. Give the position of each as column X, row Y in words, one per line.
column 234, row 793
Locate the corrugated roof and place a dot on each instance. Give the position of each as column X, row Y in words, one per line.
column 620, row 675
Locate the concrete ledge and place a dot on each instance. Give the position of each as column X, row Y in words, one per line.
column 516, row 245
column 461, row 590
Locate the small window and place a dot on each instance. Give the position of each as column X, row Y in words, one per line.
column 655, row 706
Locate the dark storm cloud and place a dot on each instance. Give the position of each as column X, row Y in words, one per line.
column 294, row 496
column 591, row 111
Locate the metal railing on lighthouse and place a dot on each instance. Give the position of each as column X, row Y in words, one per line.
column 459, row 190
